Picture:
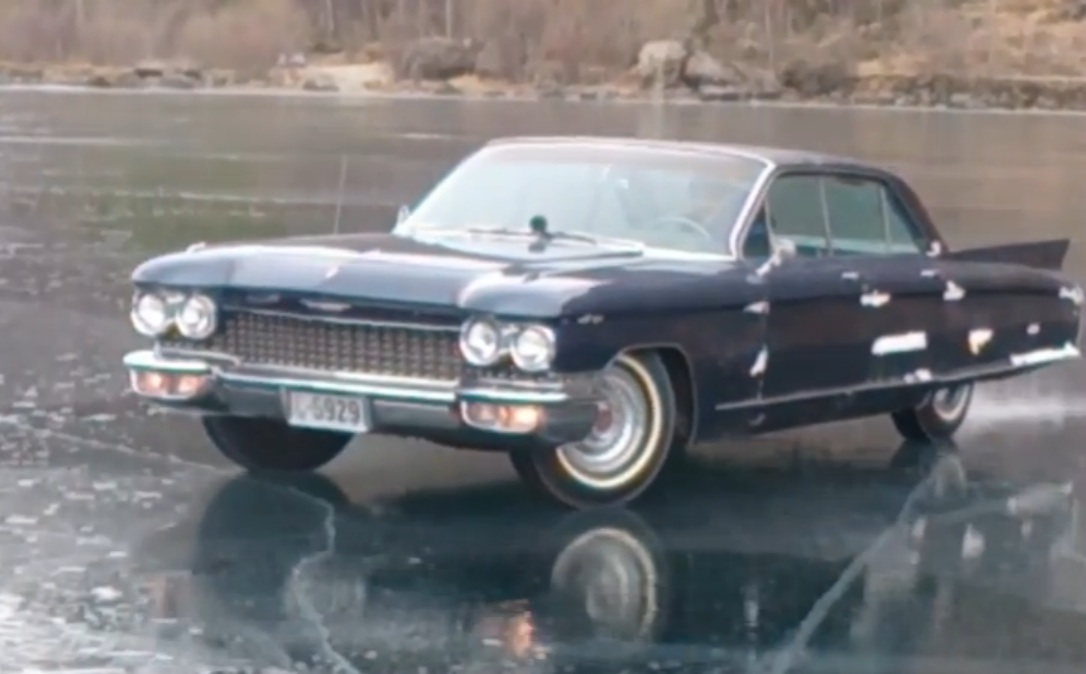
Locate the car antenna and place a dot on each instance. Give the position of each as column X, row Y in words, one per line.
column 339, row 194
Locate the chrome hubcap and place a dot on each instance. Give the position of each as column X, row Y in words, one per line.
column 949, row 403
column 616, row 448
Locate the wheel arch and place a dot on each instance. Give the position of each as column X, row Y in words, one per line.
column 680, row 372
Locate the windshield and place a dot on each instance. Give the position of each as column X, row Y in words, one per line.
column 664, row 199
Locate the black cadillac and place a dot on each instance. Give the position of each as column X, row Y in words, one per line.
column 594, row 307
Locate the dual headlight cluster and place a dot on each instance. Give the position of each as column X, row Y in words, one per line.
column 194, row 315
column 485, row 342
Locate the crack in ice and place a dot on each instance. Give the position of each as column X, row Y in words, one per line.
column 308, row 610
column 786, row 657
column 20, row 424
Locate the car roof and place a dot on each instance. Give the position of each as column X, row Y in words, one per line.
column 768, row 155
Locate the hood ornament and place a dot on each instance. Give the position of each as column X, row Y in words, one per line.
column 330, row 307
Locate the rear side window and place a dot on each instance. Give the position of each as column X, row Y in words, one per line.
column 861, row 215
column 866, row 218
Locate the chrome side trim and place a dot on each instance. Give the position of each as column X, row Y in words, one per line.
column 1035, row 359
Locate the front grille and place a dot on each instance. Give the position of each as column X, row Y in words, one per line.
column 289, row 341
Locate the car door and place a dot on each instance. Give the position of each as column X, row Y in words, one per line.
column 812, row 340
column 902, row 316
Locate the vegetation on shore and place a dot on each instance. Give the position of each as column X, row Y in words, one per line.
column 967, row 53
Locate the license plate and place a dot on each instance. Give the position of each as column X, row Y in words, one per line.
column 328, row 412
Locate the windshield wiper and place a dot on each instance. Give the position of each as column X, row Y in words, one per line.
column 545, row 235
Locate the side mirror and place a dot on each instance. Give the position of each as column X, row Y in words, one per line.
column 402, row 214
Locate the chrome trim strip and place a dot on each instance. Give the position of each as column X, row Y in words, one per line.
column 397, row 388
column 1047, row 356
column 346, row 377
column 742, row 221
column 214, row 357
column 149, row 360
column 621, row 143
column 421, row 327
column 346, row 387
column 498, row 395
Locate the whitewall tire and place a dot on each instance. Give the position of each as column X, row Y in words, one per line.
column 938, row 416
column 626, row 451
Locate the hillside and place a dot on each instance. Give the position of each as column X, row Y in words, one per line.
column 722, row 48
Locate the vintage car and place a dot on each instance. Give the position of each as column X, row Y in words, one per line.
column 595, row 306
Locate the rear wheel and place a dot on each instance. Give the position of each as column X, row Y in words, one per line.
column 938, row 416
column 633, row 440
column 270, row 446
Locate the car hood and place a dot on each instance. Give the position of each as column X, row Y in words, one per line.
column 503, row 275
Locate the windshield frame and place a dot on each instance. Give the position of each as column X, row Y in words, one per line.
column 621, row 153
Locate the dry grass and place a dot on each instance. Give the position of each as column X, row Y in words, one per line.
column 572, row 40
column 235, row 34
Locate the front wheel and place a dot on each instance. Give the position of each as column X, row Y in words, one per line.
column 627, row 449
column 938, row 417
column 269, row 446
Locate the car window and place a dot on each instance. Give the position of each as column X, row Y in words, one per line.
column 865, row 218
column 758, row 244
column 796, row 213
column 674, row 201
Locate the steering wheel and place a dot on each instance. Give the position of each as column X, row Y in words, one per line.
column 682, row 222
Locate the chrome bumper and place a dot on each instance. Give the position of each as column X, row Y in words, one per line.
column 421, row 408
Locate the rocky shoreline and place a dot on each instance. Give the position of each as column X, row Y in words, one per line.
column 665, row 70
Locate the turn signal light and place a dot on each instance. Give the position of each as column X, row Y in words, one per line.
column 167, row 385
column 502, row 418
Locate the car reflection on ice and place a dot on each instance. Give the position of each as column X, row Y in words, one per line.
column 773, row 575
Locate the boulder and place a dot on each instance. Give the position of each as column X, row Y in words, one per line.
column 661, row 62
column 320, row 81
column 491, row 63
column 438, row 58
column 355, row 77
column 814, row 80
column 701, row 69
column 150, row 68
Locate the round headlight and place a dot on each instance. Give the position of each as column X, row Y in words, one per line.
column 151, row 315
column 481, row 342
column 533, row 349
column 196, row 318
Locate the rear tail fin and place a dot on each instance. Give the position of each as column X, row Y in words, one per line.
column 1037, row 254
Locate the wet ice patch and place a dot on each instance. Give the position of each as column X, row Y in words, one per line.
column 69, row 589
column 1025, row 403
